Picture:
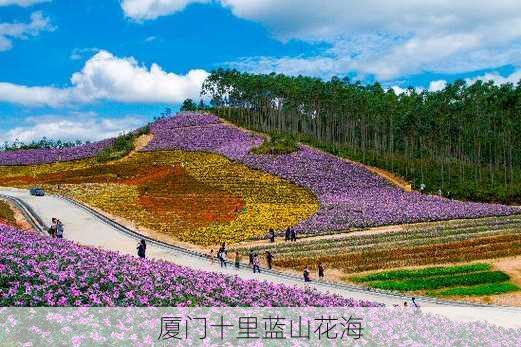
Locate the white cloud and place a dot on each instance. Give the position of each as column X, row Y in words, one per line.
column 151, row 9
column 77, row 126
column 514, row 78
column 10, row 31
column 107, row 77
column 23, row 3
column 438, row 85
column 406, row 36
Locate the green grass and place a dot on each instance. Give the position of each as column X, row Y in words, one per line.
column 477, row 290
column 421, row 273
column 122, row 146
column 277, row 144
column 436, row 282
column 462, row 280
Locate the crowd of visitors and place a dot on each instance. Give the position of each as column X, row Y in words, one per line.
column 254, row 259
column 56, row 228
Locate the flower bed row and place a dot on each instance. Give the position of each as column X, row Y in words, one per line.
column 434, row 243
column 44, row 156
column 40, row 271
column 349, row 195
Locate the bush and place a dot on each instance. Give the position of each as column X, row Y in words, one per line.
column 122, row 146
column 427, row 272
column 443, row 281
column 478, row 290
column 277, row 144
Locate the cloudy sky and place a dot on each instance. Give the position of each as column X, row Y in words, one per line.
column 87, row 69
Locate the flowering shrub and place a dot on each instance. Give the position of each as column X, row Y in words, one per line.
column 349, row 195
column 40, row 271
column 42, row 156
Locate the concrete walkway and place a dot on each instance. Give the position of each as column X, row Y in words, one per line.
column 86, row 228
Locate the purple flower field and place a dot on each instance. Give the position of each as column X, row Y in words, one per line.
column 41, row 271
column 349, row 195
column 44, row 156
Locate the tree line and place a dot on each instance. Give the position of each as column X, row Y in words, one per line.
column 44, row 143
column 463, row 141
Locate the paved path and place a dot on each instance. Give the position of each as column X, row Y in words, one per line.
column 84, row 227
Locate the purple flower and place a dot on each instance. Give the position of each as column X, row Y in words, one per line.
column 349, row 195
column 77, row 276
column 44, row 156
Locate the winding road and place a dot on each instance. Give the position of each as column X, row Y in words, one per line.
column 88, row 227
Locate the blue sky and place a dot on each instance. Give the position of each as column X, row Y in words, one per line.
column 90, row 69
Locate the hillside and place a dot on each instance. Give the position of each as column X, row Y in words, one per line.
column 197, row 173
column 196, row 182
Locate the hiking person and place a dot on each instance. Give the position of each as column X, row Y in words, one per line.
column 141, row 249
column 212, row 257
column 287, row 234
column 256, row 263
column 237, row 260
column 271, row 235
column 306, row 275
column 414, row 302
column 53, row 227
column 251, row 255
column 269, row 259
column 59, row 229
column 320, row 271
column 221, row 255
column 293, row 235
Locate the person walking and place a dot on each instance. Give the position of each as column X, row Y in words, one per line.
column 221, row 255
column 53, row 227
column 251, row 255
column 269, row 259
column 256, row 263
column 320, row 271
column 212, row 257
column 237, row 260
column 287, row 234
column 293, row 235
column 141, row 249
column 271, row 235
column 306, row 275
column 59, row 229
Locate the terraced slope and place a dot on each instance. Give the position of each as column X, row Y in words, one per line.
column 422, row 244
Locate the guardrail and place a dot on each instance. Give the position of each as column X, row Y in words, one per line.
column 29, row 214
column 132, row 233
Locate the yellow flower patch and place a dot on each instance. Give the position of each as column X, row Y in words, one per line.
column 193, row 197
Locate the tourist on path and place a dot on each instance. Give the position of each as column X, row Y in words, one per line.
column 212, row 257
column 293, row 235
column 256, row 263
column 141, row 249
column 222, row 256
column 269, row 259
column 320, row 271
column 251, row 255
column 306, row 275
column 53, row 228
column 237, row 260
column 287, row 234
column 59, row 229
column 271, row 235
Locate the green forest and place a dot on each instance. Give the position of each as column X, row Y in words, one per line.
column 461, row 142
